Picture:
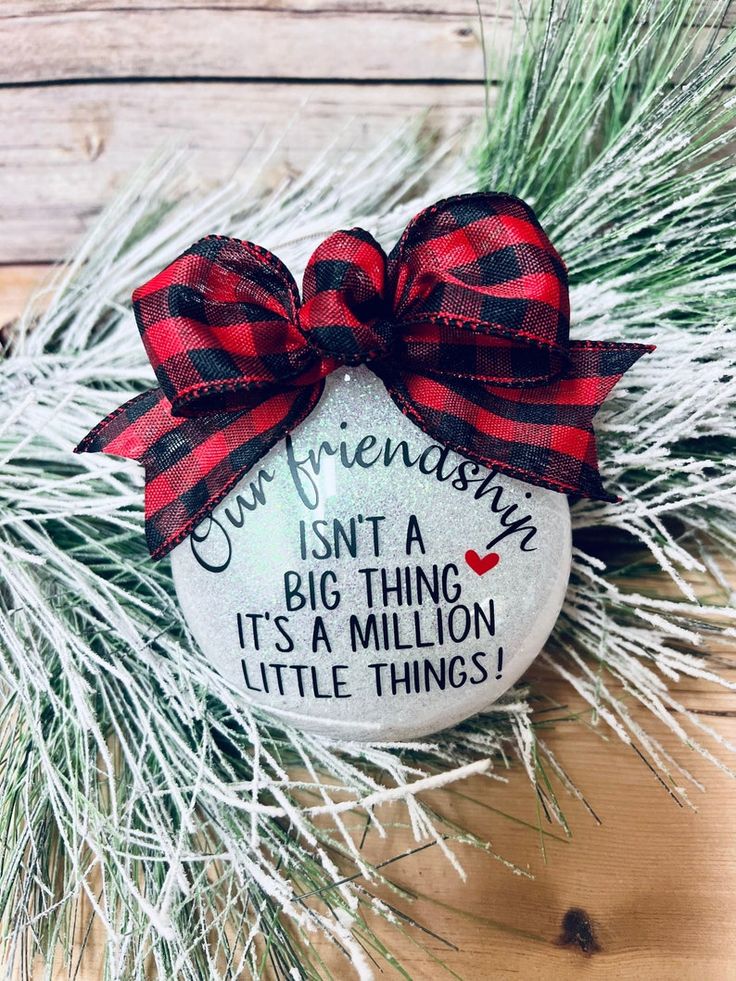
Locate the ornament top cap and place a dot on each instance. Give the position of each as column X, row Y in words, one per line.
column 466, row 322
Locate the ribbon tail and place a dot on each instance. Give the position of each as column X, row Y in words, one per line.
column 122, row 434
column 191, row 464
column 541, row 434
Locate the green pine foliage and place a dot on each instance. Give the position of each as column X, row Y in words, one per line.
column 137, row 787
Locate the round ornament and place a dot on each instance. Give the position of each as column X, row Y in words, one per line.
column 314, row 461
column 367, row 583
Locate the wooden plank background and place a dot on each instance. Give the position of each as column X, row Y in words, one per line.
column 646, row 895
column 88, row 89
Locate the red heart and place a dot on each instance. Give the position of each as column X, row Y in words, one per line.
column 481, row 565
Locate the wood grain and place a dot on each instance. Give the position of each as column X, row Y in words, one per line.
column 654, row 880
column 85, row 142
column 90, row 88
column 17, row 284
column 249, row 40
column 650, row 888
column 92, row 40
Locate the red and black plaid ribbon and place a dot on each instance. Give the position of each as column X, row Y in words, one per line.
column 466, row 322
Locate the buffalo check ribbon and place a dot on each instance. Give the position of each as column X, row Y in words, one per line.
column 466, row 322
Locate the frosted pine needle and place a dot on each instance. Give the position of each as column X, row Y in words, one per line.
column 208, row 841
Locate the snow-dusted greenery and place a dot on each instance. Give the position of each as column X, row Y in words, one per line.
column 136, row 786
column 616, row 124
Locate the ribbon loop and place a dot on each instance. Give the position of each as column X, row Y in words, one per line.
column 481, row 292
column 466, row 322
column 219, row 322
column 483, row 262
column 344, row 313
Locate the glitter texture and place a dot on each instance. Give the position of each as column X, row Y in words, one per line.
column 365, row 583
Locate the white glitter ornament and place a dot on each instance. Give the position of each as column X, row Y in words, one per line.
column 366, row 583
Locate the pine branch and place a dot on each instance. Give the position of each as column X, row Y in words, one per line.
column 137, row 785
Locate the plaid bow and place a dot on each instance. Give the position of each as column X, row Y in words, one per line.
column 466, row 322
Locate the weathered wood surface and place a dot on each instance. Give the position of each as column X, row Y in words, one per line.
column 65, row 151
column 248, row 40
column 647, row 895
column 90, row 88
column 266, row 39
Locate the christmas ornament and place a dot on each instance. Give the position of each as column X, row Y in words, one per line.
column 384, row 573
column 368, row 583
column 116, row 733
